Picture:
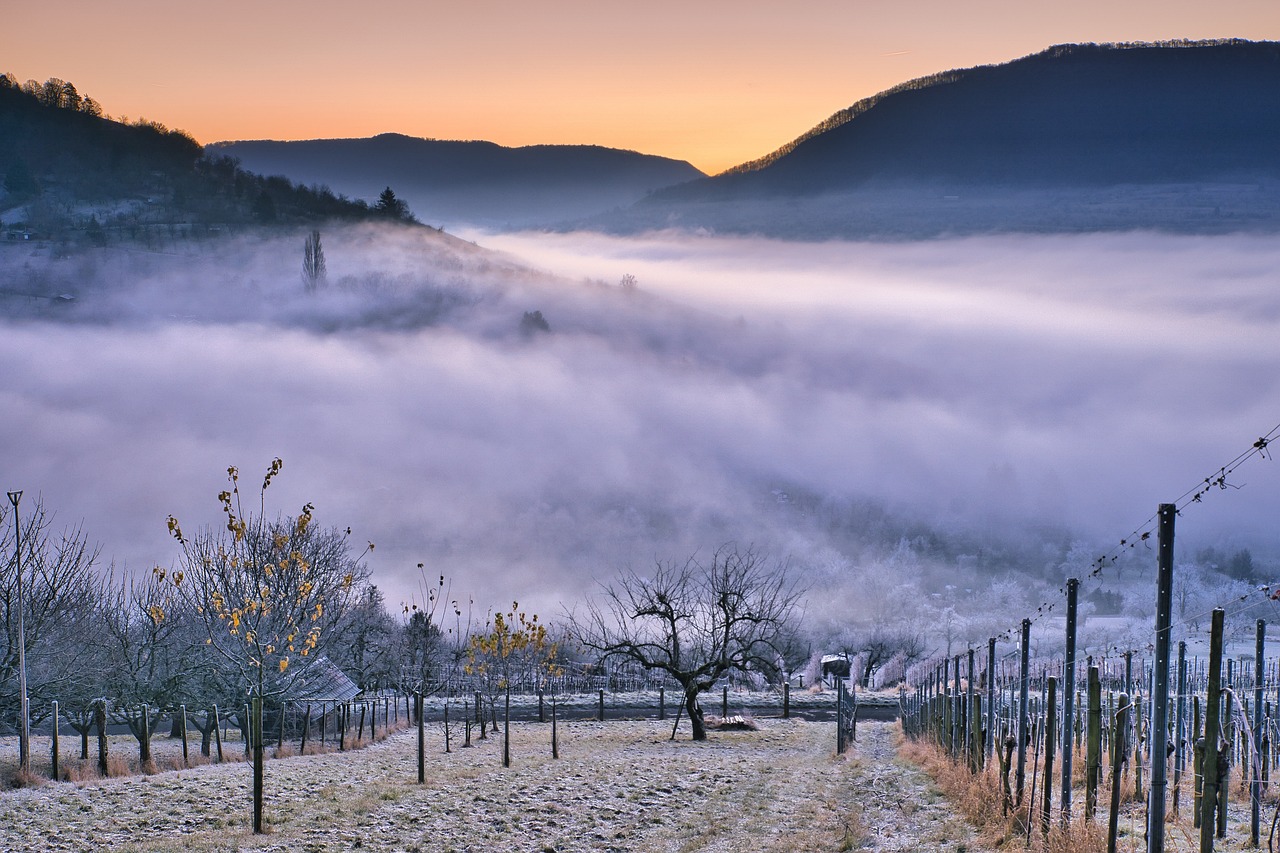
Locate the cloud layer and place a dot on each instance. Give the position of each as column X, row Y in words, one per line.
column 985, row 383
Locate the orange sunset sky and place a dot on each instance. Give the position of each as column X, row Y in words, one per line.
column 715, row 83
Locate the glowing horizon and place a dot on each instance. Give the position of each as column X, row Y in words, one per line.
column 716, row 85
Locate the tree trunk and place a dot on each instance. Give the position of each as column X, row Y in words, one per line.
column 694, row 710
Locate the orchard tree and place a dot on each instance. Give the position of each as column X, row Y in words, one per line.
column 513, row 646
column 266, row 591
column 697, row 621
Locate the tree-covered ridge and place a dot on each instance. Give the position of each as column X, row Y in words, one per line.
column 844, row 116
column 69, row 167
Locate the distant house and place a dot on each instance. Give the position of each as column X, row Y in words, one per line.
column 835, row 666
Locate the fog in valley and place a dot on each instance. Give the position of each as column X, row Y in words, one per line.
column 934, row 431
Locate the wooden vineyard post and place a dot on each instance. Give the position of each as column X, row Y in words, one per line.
column 1024, row 721
column 1212, row 707
column 990, row 732
column 601, row 715
column 1224, row 762
column 724, row 702
column 1138, row 738
column 786, row 701
column 1050, row 741
column 1068, row 699
column 280, row 731
column 970, row 719
column 1117, row 761
column 1197, row 764
column 1259, row 723
column 555, row 741
column 1179, row 735
column 972, row 726
column 343, row 722
column 1006, row 760
column 447, row 748
column 53, row 748
column 466, row 718
column 1093, row 746
column 244, row 730
column 662, row 702
column 480, row 715
column 542, row 717
column 1159, row 684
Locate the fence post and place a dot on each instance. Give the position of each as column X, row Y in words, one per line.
column 217, row 732
column 786, row 700
column 1160, row 681
column 53, row 749
column 662, row 702
column 1093, row 746
column 1209, row 785
column 724, row 702
column 1050, row 731
column 1024, row 721
column 1068, row 698
column 1224, row 762
column 990, row 733
column 1179, row 735
column 1117, row 760
column 1259, row 722
column 602, row 705
column 100, row 721
column 422, row 740
column 186, row 758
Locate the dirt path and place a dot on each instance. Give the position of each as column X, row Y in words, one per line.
column 898, row 806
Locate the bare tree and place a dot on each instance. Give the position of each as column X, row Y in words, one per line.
column 313, row 268
column 697, row 621
column 59, row 587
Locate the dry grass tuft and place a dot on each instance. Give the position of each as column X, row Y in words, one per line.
column 25, row 779
column 977, row 797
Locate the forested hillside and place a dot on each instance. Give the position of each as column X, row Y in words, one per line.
column 71, row 171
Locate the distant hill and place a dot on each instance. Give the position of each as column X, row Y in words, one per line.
column 1077, row 137
column 451, row 183
column 67, row 171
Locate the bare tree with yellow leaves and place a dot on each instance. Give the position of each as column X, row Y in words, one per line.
column 513, row 647
column 266, row 591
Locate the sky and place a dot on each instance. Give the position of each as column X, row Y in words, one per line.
column 716, row 83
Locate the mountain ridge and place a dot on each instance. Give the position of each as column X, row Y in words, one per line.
column 1080, row 120
column 476, row 181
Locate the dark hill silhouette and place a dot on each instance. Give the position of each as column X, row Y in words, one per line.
column 479, row 182
column 1074, row 118
column 66, row 169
